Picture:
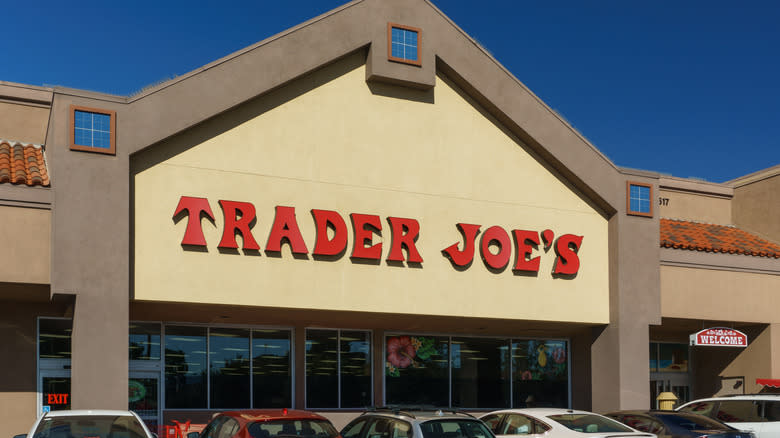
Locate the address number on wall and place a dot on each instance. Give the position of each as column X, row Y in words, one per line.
column 663, row 201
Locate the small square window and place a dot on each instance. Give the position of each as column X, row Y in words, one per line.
column 93, row 130
column 403, row 44
column 638, row 199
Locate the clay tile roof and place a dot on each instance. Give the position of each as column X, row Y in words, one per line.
column 22, row 164
column 714, row 238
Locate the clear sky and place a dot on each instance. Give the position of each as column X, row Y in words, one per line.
column 687, row 88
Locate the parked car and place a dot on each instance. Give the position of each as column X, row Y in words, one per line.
column 759, row 414
column 412, row 423
column 88, row 424
column 669, row 424
column 556, row 423
column 267, row 423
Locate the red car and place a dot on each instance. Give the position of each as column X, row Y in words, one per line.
column 268, row 423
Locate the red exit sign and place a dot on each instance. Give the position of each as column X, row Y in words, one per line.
column 57, row 399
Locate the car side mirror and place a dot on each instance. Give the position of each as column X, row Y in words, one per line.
column 193, row 435
column 21, row 435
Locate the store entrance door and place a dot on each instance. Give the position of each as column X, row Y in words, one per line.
column 678, row 384
column 54, row 386
column 143, row 397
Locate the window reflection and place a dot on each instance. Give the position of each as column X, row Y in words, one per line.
column 271, row 368
column 144, row 341
column 355, row 348
column 229, row 368
column 417, row 370
column 322, row 368
column 185, row 367
column 54, row 338
column 540, row 373
column 480, row 372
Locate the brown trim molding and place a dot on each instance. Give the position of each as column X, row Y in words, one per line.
column 390, row 56
column 628, row 198
column 685, row 258
column 72, row 134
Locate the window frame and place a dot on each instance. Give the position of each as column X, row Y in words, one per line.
column 77, row 147
column 631, row 212
column 390, row 56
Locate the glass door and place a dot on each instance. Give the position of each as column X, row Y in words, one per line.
column 54, row 391
column 143, row 397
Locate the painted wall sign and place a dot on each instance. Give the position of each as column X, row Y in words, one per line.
column 496, row 245
column 719, row 337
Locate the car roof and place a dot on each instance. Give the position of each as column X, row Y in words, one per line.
column 87, row 412
column 648, row 412
column 543, row 412
column 272, row 414
column 734, row 397
column 420, row 414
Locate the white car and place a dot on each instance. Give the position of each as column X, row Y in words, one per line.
column 759, row 413
column 88, row 424
column 556, row 423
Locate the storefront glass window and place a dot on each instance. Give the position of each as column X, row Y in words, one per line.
column 229, row 368
column 322, row 358
column 480, row 372
column 54, row 338
column 271, row 368
column 540, row 373
column 142, row 399
column 338, row 368
column 417, row 370
column 185, row 367
column 355, row 366
column 144, row 341
column 672, row 357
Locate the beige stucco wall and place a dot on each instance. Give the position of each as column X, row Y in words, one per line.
column 25, row 239
column 757, row 207
column 24, row 123
column 719, row 295
column 694, row 207
column 343, row 146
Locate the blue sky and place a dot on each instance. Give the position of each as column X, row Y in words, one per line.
column 690, row 89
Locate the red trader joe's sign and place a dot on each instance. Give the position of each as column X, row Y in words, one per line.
column 719, row 337
column 332, row 235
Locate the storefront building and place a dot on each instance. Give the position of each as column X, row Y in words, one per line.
column 388, row 218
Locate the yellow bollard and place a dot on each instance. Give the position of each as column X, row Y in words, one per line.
column 666, row 401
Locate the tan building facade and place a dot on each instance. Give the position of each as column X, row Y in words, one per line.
column 350, row 229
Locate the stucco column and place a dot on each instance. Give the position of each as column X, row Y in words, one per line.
column 99, row 364
column 774, row 350
column 620, row 352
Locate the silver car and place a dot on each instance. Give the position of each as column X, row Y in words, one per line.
column 408, row 423
column 88, row 424
column 556, row 423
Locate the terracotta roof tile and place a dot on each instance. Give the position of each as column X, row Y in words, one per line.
column 22, row 164
column 714, row 238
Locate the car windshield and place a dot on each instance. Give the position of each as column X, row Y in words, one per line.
column 90, row 426
column 589, row 423
column 455, row 428
column 303, row 428
column 693, row 422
